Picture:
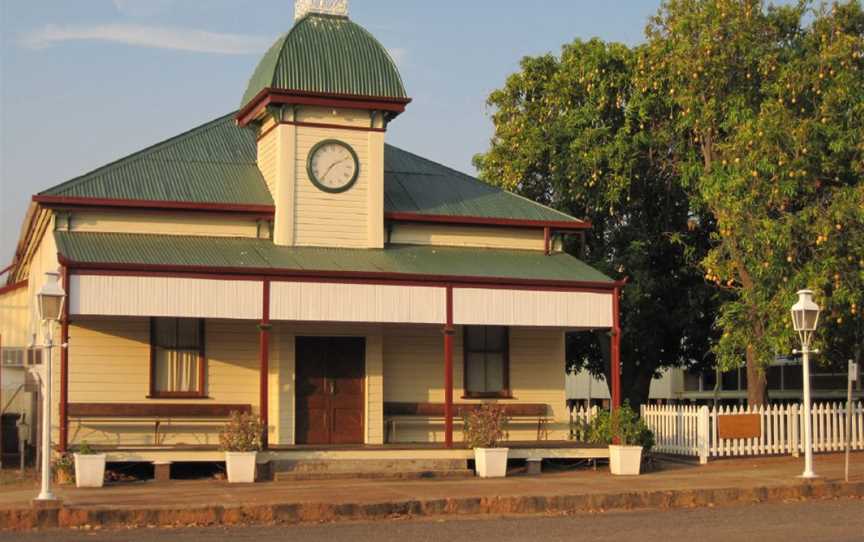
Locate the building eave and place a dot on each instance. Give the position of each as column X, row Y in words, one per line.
column 211, row 272
column 275, row 96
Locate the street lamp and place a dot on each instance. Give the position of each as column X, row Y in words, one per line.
column 50, row 304
column 805, row 317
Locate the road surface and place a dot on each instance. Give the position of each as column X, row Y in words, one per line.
column 833, row 520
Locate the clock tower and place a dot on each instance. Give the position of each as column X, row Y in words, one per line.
column 320, row 101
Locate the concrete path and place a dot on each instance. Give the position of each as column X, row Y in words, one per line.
column 674, row 485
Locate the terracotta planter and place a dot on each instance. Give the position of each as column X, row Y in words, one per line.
column 625, row 460
column 240, row 467
column 89, row 470
column 490, row 462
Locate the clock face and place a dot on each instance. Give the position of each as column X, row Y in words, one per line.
column 333, row 166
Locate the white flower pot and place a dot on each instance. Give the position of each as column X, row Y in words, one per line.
column 89, row 470
column 490, row 462
column 240, row 467
column 625, row 460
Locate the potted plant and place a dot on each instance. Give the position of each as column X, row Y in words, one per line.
column 484, row 429
column 89, row 467
column 240, row 439
column 627, row 437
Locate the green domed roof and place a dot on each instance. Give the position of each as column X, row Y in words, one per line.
column 330, row 55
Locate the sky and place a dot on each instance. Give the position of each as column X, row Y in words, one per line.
column 85, row 82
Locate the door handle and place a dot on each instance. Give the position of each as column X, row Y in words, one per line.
column 332, row 388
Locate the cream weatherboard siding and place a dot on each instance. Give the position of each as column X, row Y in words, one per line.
column 165, row 296
column 268, row 154
column 285, row 184
column 322, row 218
column 325, row 302
column 467, row 236
column 477, row 306
column 375, row 190
column 179, row 223
column 414, row 372
column 109, row 362
column 16, row 323
column 355, row 118
column 374, row 414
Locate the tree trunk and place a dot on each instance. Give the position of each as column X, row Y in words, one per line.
column 636, row 384
column 757, row 381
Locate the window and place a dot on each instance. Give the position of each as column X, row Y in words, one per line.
column 486, row 361
column 177, row 365
column 19, row 357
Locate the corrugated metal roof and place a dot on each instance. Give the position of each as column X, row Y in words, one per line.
column 413, row 184
column 175, row 250
column 327, row 54
column 216, row 163
column 213, row 163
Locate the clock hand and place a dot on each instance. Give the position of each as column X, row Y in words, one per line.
column 334, row 164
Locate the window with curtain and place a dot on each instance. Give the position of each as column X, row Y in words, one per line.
column 177, row 357
column 486, row 361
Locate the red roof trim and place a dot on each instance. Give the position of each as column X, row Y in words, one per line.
column 13, row 287
column 54, row 201
column 559, row 225
column 270, row 95
column 465, row 281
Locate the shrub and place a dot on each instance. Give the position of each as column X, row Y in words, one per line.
column 63, row 467
column 85, row 449
column 242, row 433
column 484, row 427
column 623, row 424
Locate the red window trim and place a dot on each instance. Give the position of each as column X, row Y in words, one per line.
column 202, row 368
column 505, row 392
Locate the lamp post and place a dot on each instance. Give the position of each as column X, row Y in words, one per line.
column 50, row 304
column 805, row 317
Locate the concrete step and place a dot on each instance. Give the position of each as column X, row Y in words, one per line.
column 393, row 469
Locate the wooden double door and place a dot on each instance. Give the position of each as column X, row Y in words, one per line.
column 330, row 398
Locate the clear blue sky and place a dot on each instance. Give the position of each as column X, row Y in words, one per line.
column 85, row 82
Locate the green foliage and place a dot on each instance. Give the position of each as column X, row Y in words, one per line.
column 721, row 161
column 63, row 467
column 85, row 449
column 767, row 104
column 622, row 424
column 484, row 427
column 242, row 433
column 572, row 132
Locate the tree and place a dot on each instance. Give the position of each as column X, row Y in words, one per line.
column 574, row 133
column 772, row 110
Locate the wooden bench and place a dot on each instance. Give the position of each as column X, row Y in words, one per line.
column 416, row 412
column 157, row 412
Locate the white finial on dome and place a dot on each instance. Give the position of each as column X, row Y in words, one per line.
column 330, row 7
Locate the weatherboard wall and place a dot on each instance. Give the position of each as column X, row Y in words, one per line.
column 467, row 236
column 327, row 219
column 414, row 372
column 179, row 223
column 109, row 362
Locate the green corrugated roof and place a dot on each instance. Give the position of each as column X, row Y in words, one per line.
column 215, row 163
column 175, row 250
column 416, row 185
column 327, row 54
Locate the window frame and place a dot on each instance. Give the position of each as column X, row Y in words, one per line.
column 505, row 392
column 200, row 393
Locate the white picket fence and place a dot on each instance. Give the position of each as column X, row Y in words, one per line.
column 693, row 431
